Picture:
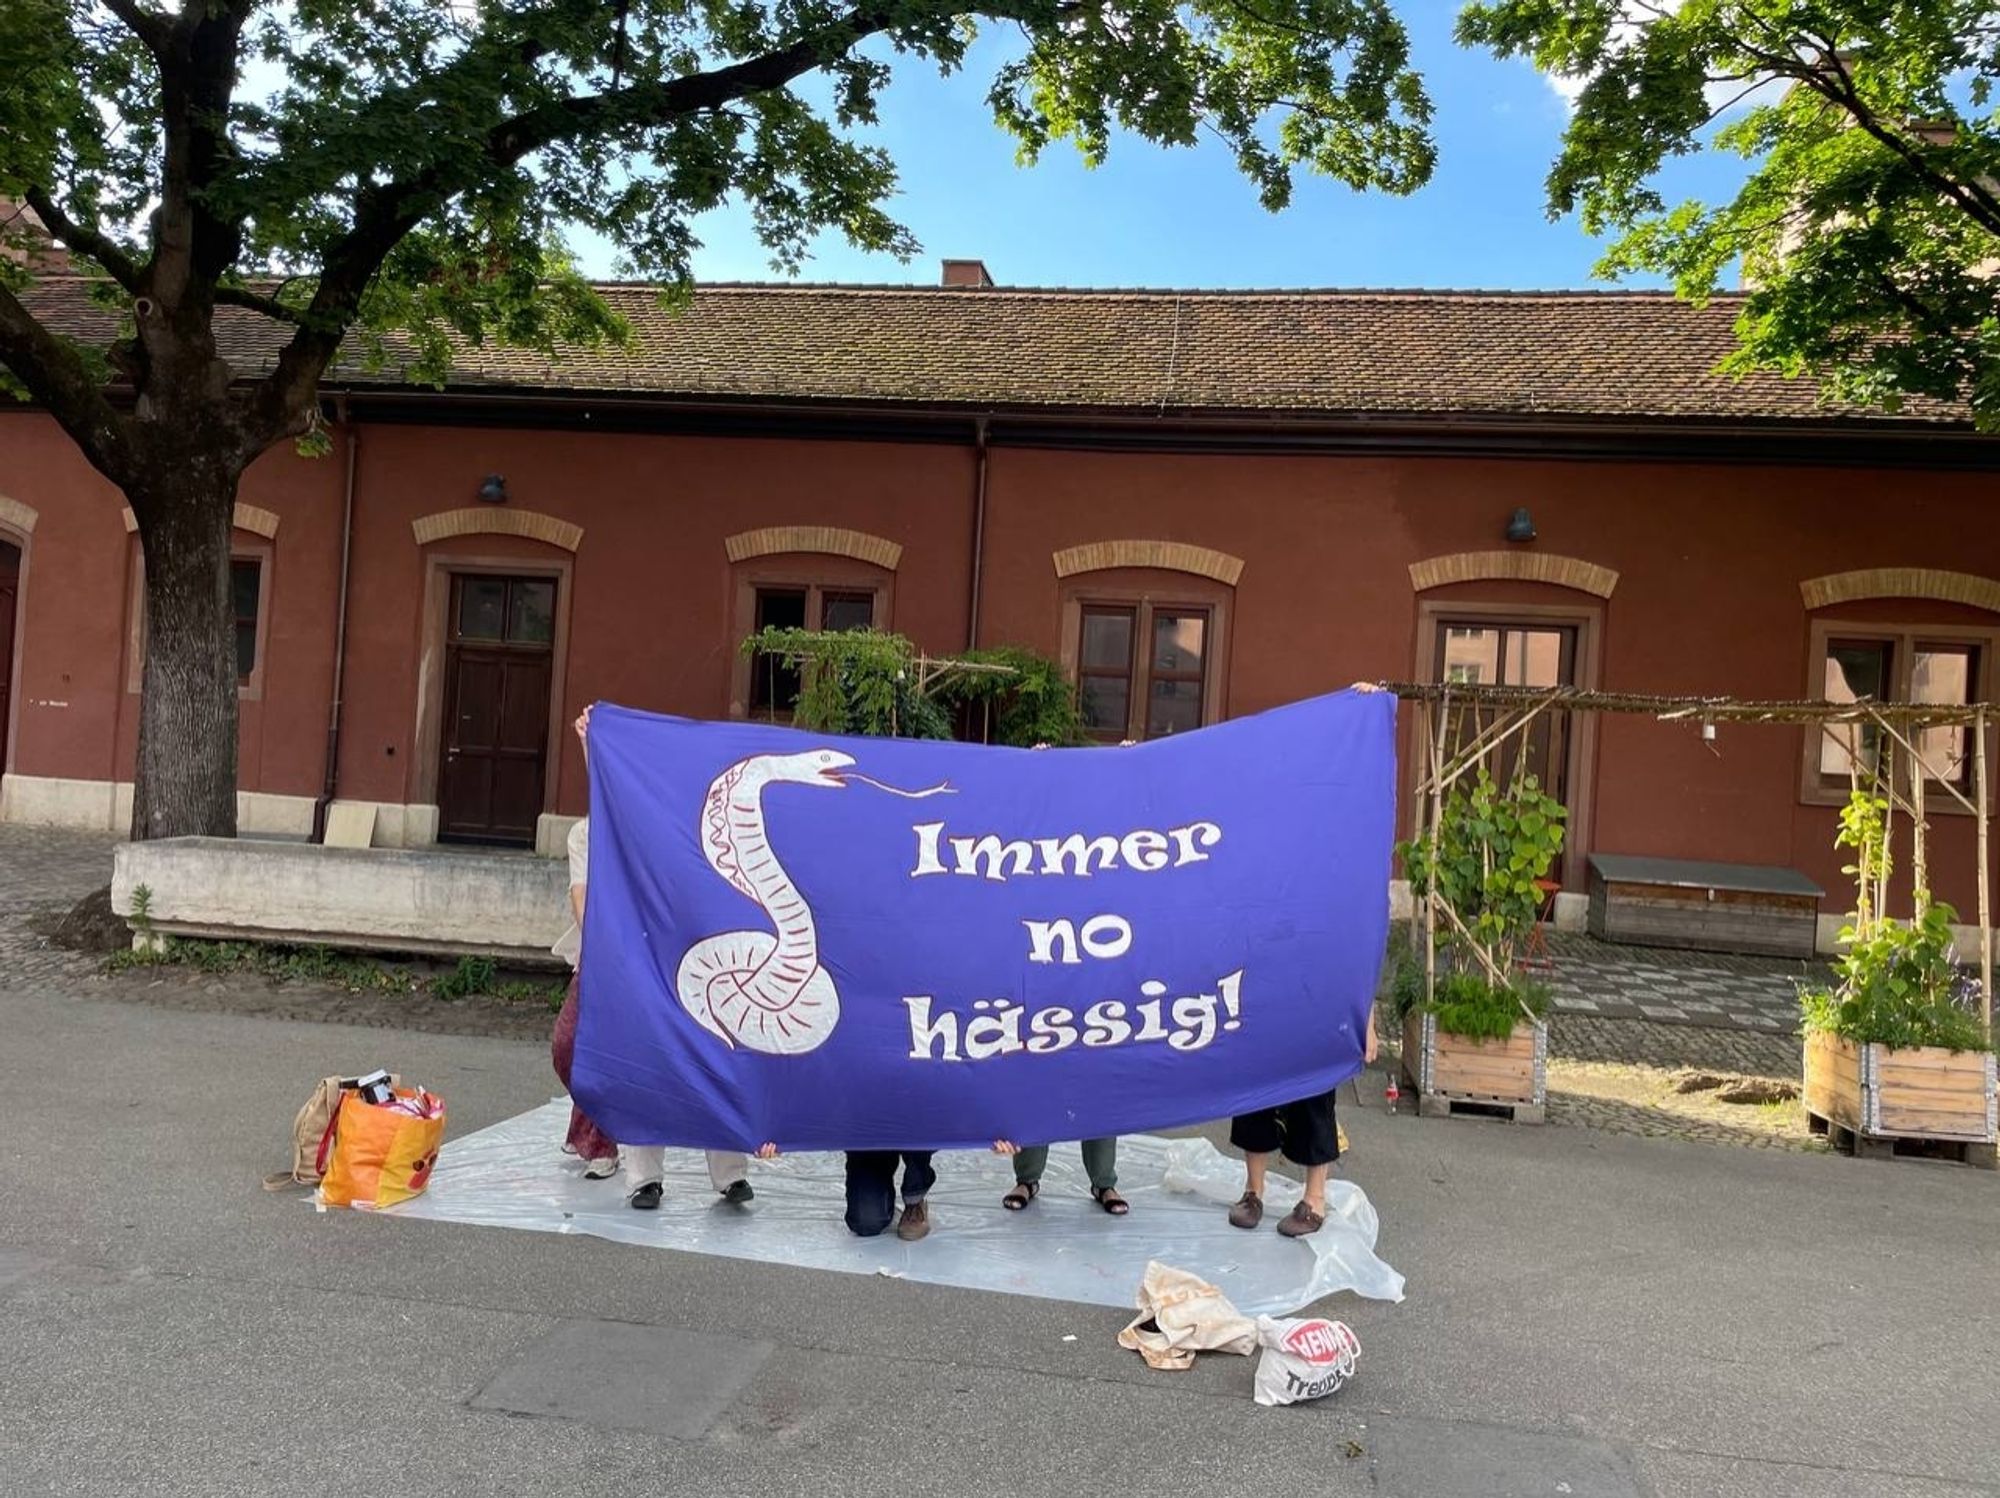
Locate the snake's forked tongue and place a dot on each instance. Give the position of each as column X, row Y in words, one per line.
column 942, row 788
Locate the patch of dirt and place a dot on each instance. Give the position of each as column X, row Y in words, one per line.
column 91, row 925
column 1700, row 1081
column 1758, row 1090
column 255, row 994
column 1639, row 1099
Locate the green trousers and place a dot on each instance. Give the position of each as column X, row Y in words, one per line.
column 1100, row 1163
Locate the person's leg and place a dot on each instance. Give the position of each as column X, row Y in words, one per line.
column 1256, row 1134
column 918, row 1178
column 1312, row 1140
column 729, row 1173
column 871, row 1191
column 1100, row 1163
column 648, row 1165
column 597, row 1149
column 1029, row 1163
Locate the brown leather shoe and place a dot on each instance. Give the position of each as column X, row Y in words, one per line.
column 914, row 1223
column 1248, row 1212
column 1300, row 1221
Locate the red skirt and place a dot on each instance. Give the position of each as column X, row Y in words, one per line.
column 589, row 1141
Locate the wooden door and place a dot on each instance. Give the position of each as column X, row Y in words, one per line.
column 10, row 592
column 496, row 708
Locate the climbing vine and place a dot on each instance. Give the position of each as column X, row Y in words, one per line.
column 877, row 684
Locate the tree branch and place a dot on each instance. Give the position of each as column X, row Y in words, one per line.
column 58, row 378
column 1978, row 203
column 385, row 214
column 89, row 241
column 149, row 26
column 269, row 306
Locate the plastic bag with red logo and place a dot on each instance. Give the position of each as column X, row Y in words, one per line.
column 383, row 1152
column 1306, row 1359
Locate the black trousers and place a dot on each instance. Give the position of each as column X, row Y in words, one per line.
column 871, row 1186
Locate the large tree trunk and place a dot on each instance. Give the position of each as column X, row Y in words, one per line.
column 187, row 711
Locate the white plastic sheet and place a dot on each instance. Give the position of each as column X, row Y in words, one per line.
column 1063, row 1247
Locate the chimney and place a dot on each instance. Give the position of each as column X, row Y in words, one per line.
column 967, row 273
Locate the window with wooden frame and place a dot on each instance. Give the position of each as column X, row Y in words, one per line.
column 249, row 569
column 1143, row 669
column 1528, row 644
column 246, row 586
column 770, row 690
column 1877, row 663
column 1514, row 652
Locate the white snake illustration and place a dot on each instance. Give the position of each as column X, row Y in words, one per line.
column 751, row 988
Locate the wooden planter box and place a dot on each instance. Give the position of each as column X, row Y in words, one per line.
column 1453, row 1075
column 1872, row 1099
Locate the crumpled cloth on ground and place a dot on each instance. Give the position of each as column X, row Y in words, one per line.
column 1181, row 1314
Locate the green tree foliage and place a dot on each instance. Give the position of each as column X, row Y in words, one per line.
column 1870, row 216
column 394, row 176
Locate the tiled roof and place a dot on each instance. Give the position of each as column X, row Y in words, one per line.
column 1551, row 355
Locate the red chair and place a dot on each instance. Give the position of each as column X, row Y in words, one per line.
column 1535, row 955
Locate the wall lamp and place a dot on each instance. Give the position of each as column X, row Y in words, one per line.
column 1520, row 526
column 494, row 491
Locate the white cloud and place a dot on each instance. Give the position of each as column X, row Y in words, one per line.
column 1726, row 97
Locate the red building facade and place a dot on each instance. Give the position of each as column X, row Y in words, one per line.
column 1205, row 505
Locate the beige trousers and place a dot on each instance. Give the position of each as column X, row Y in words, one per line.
column 647, row 1162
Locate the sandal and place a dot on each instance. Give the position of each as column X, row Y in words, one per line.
column 1024, row 1192
column 1111, row 1201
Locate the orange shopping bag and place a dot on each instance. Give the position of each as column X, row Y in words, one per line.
column 383, row 1152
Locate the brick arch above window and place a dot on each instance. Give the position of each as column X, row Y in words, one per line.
column 18, row 517
column 1513, row 566
column 531, row 525
column 814, row 540
column 251, row 518
column 1161, row 556
column 1901, row 582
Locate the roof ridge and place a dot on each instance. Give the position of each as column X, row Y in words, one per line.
column 1162, row 293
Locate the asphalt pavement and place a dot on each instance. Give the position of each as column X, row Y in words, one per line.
column 1587, row 1314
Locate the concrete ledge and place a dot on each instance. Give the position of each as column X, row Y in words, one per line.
column 267, row 814
column 507, row 906
column 50, row 801
column 552, row 834
column 106, row 806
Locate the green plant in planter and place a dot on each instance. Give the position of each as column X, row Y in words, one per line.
column 866, row 682
column 1466, row 1003
column 1494, row 843
column 1899, row 981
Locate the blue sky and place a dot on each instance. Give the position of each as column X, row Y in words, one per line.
column 1154, row 217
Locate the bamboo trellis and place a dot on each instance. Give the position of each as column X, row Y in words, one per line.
column 1514, row 710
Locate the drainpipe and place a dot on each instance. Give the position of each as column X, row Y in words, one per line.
column 332, row 781
column 978, row 532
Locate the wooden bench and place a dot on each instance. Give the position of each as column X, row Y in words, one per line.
column 1712, row 907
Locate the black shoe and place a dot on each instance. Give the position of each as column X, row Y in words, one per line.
column 647, row 1197
column 739, row 1194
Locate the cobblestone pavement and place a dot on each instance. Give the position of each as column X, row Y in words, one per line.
column 43, row 872
column 1666, row 986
